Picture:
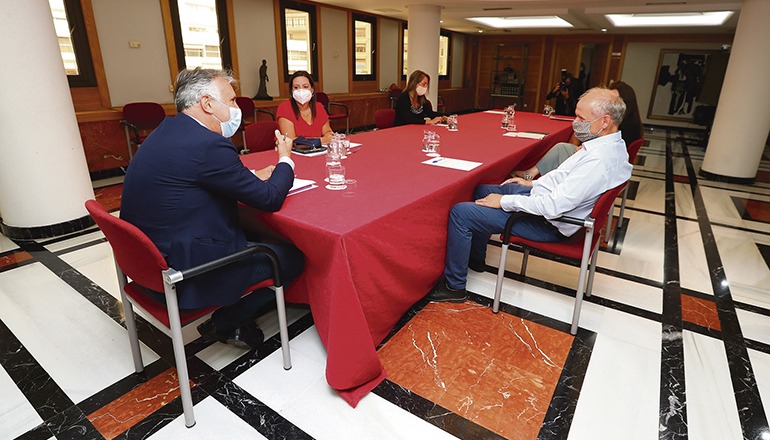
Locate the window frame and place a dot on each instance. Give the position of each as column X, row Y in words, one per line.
column 373, row 23
column 79, row 36
column 225, row 48
column 313, row 22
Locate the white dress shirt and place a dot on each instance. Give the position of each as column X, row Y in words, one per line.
column 574, row 187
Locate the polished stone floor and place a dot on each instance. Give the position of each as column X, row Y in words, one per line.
column 673, row 344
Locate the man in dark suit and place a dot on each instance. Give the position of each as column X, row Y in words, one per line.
column 182, row 189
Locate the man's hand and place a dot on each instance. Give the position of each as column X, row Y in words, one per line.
column 490, row 201
column 265, row 173
column 283, row 145
column 518, row 180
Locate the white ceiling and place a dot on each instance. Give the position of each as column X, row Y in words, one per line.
column 587, row 16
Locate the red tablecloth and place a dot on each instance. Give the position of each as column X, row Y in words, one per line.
column 373, row 251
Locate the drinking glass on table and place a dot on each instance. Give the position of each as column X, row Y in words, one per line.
column 336, row 177
column 434, row 143
column 451, row 122
column 333, row 153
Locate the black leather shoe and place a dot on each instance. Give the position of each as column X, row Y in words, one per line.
column 210, row 333
column 477, row 265
column 442, row 293
column 248, row 337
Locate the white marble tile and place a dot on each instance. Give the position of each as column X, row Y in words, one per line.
column 760, row 363
column 17, row 415
column 711, row 409
column 57, row 246
column 6, row 244
column 754, row 326
column 303, row 397
column 642, row 251
column 212, row 422
column 647, row 196
column 693, row 267
column 746, row 270
column 620, row 394
column 82, row 348
column 685, row 205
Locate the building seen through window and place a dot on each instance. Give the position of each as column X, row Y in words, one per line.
column 443, row 55
column 200, row 33
column 61, row 24
column 363, row 43
column 298, row 45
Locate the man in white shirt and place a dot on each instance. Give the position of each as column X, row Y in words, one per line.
column 572, row 189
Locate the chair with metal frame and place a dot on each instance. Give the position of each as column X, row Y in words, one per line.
column 323, row 98
column 633, row 150
column 582, row 246
column 139, row 119
column 137, row 257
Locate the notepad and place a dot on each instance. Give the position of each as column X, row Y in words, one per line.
column 495, row 112
column 301, row 185
column 562, row 118
column 526, row 134
column 456, row 164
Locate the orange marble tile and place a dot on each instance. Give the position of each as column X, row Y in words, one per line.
column 14, row 258
column 701, row 312
column 109, row 196
column 496, row 370
column 126, row 411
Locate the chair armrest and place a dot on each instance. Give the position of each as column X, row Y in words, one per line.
column 515, row 216
column 263, row 110
column 339, row 104
column 134, row 129
column 174, row 276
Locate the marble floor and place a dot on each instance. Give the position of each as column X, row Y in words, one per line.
column 674, row 343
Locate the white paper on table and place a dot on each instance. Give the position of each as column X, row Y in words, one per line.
column 495, row 112
column 354, row 144
column 456, row 164
column 439, row 125
column 301, row 185
column 526, row 134
column 562, row 118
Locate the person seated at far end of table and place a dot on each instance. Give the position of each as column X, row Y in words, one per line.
column 572, row 189
column 412, row 107
column 631, row 129
column 301, row 114
column 182, row 190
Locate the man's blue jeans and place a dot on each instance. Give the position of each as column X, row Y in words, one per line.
column 470, row 226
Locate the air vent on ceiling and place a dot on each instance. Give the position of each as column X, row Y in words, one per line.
column 664, row 3
column 579, row 29
column 387, row 10
column 496, row 9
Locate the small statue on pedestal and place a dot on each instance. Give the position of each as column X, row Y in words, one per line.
column 262, row 92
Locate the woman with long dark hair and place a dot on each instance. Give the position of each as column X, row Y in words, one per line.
column 301, row 114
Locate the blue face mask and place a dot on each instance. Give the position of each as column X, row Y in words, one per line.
column 232, row 125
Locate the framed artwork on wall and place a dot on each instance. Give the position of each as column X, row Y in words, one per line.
column 678, row 84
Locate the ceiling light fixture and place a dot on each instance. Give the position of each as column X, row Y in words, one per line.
column 522, row 22
column 716, row 18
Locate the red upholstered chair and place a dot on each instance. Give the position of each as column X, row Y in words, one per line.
column 395, row 92
column 582, row 246
column 384, row 118
column 139, row 119
column 249, row 112
column 323, row 98
column 260, row 136
column 633, row 150
column 138, row 258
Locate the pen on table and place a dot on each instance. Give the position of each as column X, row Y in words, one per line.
column 437, row 160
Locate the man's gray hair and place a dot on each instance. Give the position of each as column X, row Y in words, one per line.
column 605, row 102
column 191, row 85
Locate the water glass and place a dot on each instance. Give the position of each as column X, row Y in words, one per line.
column 336, row 177
column 427, row 135
column 504, row 122
column 451, row 122
column 548, row 111
column 333, row 154
column 434, row 143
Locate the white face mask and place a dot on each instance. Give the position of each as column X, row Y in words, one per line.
column 302, row 96
column 230, row 126
column 420, row 90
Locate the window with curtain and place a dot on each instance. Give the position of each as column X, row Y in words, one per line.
column 200, row 33
column 73, row 42
column 364, row 48
column 298, row 38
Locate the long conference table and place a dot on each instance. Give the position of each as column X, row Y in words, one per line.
column 375, row 249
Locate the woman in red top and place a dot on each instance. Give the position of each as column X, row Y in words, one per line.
column 301, row 115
